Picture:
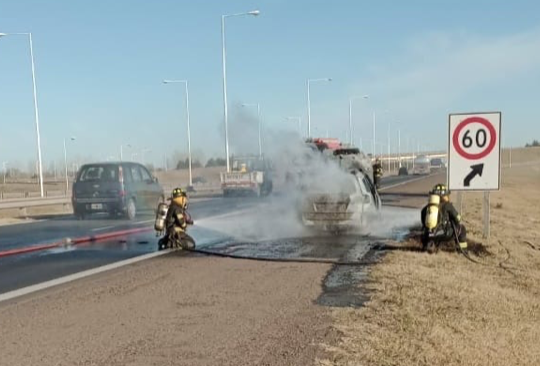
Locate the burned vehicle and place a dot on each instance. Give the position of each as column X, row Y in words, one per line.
column 340, row 194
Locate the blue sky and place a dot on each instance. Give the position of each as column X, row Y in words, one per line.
column 99, row 66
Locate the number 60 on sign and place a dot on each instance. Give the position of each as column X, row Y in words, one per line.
column 474, row 151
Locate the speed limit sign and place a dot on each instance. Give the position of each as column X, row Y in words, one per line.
column 474, row 143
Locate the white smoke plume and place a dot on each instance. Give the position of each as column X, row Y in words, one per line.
column 298, row 172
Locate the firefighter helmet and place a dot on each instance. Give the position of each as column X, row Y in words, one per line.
column 441, row 190
column 179, row 196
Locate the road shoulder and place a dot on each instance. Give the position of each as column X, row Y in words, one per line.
column 180, row 310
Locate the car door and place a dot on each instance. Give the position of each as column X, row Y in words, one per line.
column 150, row 191
column 137, row 185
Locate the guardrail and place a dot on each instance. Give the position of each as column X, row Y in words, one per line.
column 23, row 203
column 22, row 195
column 59, row 193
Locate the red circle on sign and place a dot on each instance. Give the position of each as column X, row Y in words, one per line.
column 492, row 138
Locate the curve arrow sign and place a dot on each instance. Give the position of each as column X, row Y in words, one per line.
column 477, row 169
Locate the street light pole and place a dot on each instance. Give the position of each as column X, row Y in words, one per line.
column 308, row 83
column 4, row 163
column 36, row 113
column 399, row 147
column 122, row 151
column 185, row 82
column 351, row 99
column 224, row 67
column 259, row 123
column 65, row 164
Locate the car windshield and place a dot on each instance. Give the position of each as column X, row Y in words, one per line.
column 107, row 173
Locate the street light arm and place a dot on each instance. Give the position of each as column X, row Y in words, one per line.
column 14, row 34
column 319, row 79
column 253, row 12
column 169, row 81
column 355, row 97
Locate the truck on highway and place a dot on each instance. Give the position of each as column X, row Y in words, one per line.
column 422, row 165
column 248, row 175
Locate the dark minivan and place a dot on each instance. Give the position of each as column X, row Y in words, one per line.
column 115, row 188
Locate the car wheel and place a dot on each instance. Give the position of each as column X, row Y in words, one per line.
column 403, row 171
column 131, row 209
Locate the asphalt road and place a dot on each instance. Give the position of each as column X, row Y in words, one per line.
column 66, row 226
column 28, row 269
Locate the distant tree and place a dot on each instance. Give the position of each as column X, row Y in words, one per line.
column 213, row 162
column 184, row 164
column 210, row 163
column 221, row 162
column 535, row 143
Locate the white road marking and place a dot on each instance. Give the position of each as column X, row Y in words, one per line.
column 76, row 276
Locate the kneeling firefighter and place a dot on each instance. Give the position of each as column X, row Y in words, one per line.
column 441, row 221
column 175, row 222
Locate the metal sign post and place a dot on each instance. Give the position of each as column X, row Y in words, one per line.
column 459, row 201
column 474, row 155
column 486, row 214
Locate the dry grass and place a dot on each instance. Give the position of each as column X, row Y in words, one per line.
column 444, row 310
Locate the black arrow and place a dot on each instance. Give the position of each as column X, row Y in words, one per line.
column 476, row 170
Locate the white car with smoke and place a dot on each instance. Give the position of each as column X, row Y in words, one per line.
column 350, row 203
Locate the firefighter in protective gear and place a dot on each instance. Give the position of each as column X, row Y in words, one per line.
column 442, row 218
column 377, row 173
column 177, row 218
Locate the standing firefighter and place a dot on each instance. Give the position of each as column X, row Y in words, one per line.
column 441, row 221
column 377, row 173
column 176, row 222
